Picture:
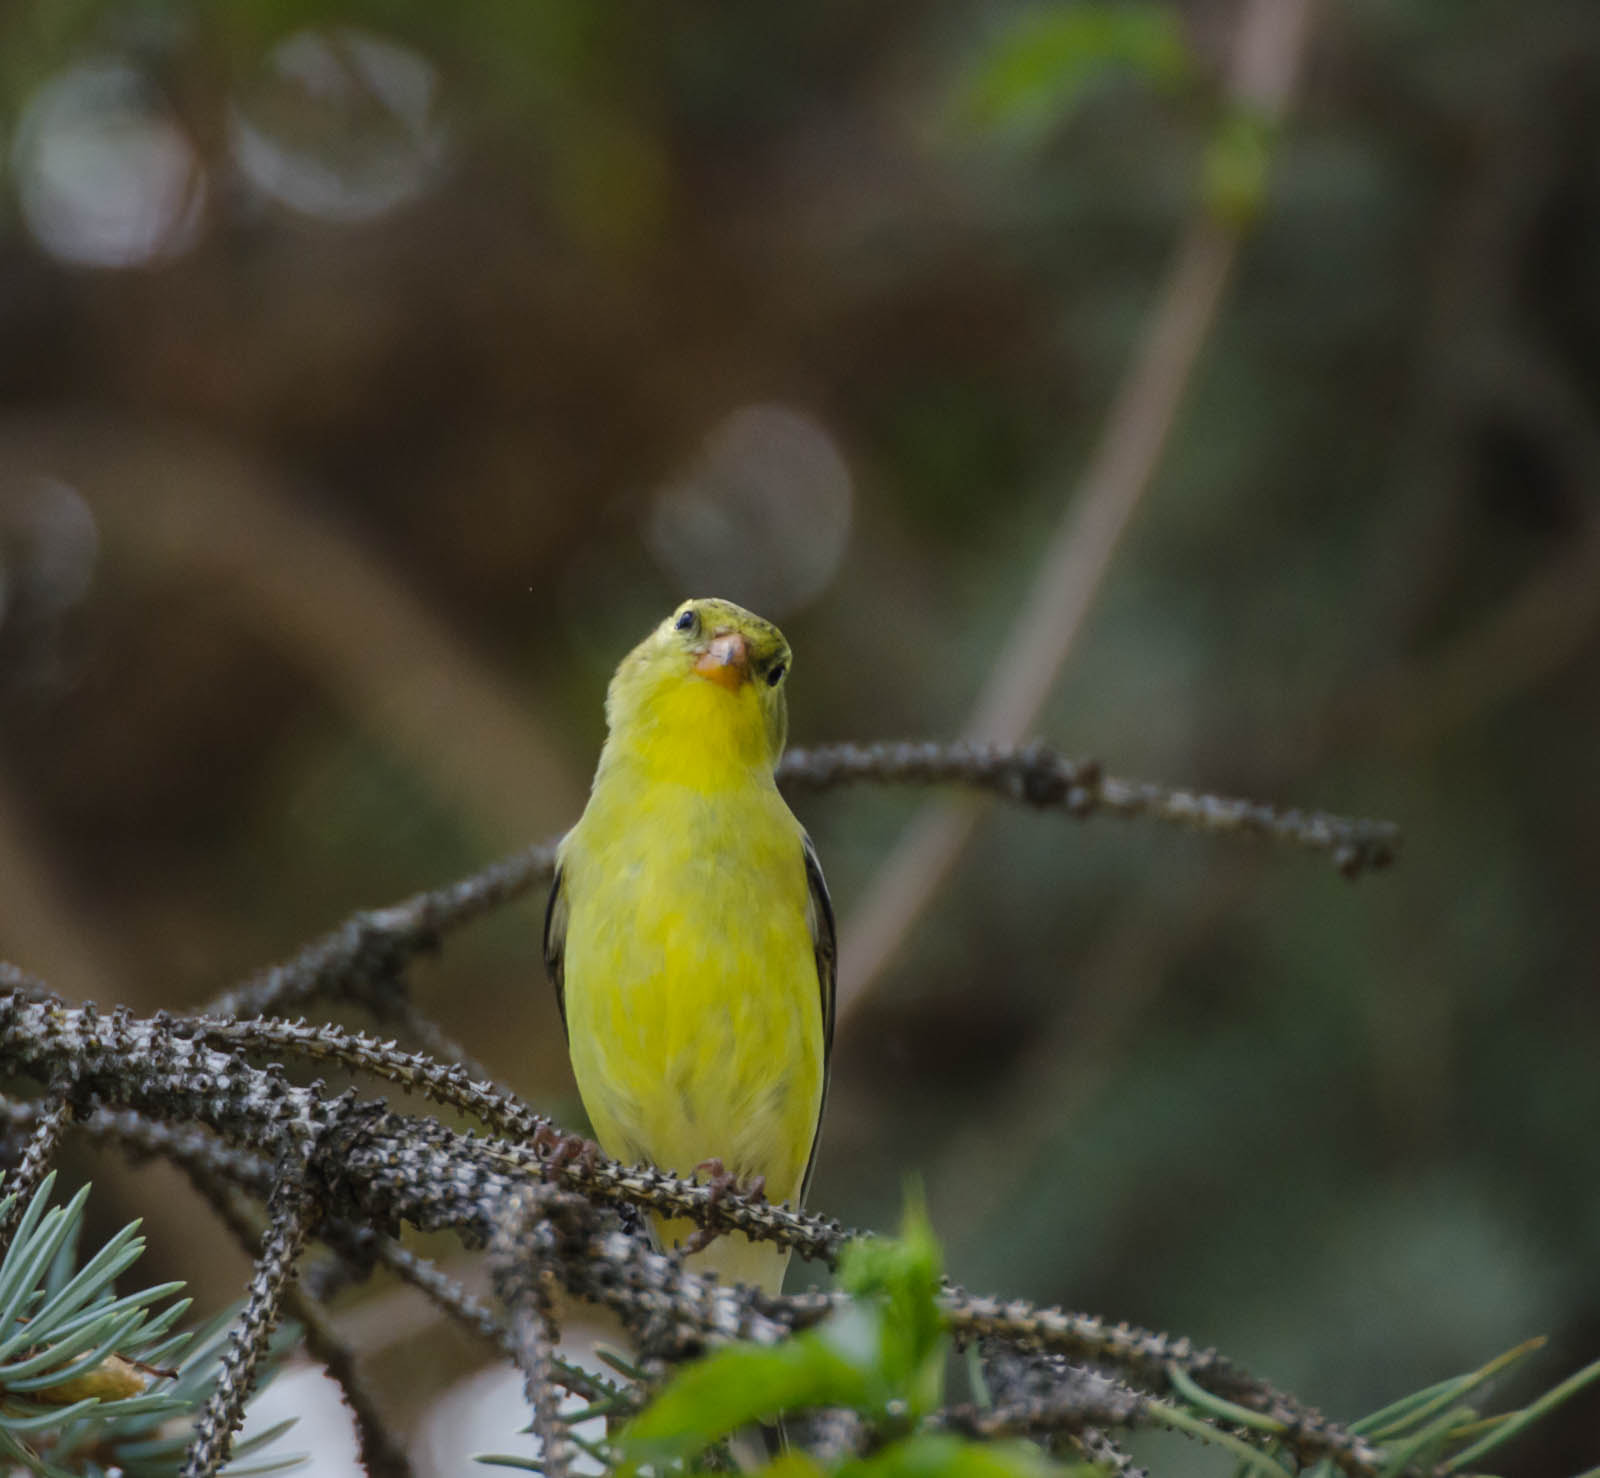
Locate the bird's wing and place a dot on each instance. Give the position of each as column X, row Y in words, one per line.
column 824, row 945
column 555, row 943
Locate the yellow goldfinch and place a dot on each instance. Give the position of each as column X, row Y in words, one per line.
column 689, row 933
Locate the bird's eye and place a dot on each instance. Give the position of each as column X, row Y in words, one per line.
column 687, row 620
column 775, row 673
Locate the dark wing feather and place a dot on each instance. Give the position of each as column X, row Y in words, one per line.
column 825, row 947
column 555, row 944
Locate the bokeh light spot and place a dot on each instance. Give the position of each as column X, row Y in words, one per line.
column 105, row 175
column 49, row 542
column 341, row 125
column 763, row 517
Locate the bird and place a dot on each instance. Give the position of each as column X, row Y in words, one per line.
column 689, row 933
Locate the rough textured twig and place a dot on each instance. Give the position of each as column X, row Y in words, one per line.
column 401, row 1012
column 18, row 981
column 381, row 1453
column 1145, row 1355
column 450, row 1086
column 290, row 1213
column 211, row 1164
column 524, row 1276
column 49, row 1122
column 367, row 951
column 186, row 1145
column 364, row 959
column 475, row 1315
column 1055, row 1403
column 1041, row 777
column 1097, row 1447
column 359, row 1165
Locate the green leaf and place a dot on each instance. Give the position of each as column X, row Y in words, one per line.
column 1519, row 1421
column 883, row 1351
column 940, row 1455
column 1165, row 1414
column 59, row 1363
column 26, row 1261
column 1214, row 1406
column 903, row 1274
column 1423, row 1447
column 1238, row 163
column 96, row 1275
column 30, row 1459
column 31, row 1216
column 829, row 1366
column 1045, row 62
column 1399, row 1416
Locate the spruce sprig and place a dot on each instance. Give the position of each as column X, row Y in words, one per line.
column 92, row 1382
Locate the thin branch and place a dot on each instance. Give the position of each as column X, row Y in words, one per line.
column 368, row 951
column 213, row 1164
column 289, row 1216
column 185, row 1145
column 365, row 958
column 469, row 1311
column 1038, row 776
column 356, row 1163
column 1150, row 1358
column 1267, row 54
column 380, row 1452
column 448, row 1295
column 400, row 1011
column 50, row 1121
column 416, row 1073
column 1097, row 1447
column 524, row 1282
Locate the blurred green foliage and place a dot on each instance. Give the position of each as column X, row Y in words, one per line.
column 1038, row 68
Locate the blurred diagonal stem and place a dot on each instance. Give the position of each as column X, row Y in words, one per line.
column 1266, row 62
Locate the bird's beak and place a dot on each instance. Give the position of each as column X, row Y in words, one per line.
column 725, row 661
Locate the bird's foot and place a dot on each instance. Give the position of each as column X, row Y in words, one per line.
column 721, row 1183
column 562, row 1150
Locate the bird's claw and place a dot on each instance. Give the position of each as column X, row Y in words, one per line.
column 721, row 1183
column 562, row 1150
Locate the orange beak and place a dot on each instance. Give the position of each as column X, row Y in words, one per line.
column 726, row 661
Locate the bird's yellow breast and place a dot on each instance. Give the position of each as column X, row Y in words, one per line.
column 693, row 1004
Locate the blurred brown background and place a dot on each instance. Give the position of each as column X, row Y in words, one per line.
column 373, row 375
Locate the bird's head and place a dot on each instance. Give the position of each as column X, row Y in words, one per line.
column 712, row 672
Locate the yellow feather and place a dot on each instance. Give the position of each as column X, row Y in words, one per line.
column 692, row 998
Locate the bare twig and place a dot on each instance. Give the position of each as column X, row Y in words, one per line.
column 214, row 1165
column 1038, row 776
column 344, row 1162
column 429, row 1279
column 413, row 1071
column 1267, row 55
column 524, row 1281
column 290, row 1212
column 365, row 958
column 1148, row 1358
column 381, row 1453
column 21, row 1183
column 368, row 951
